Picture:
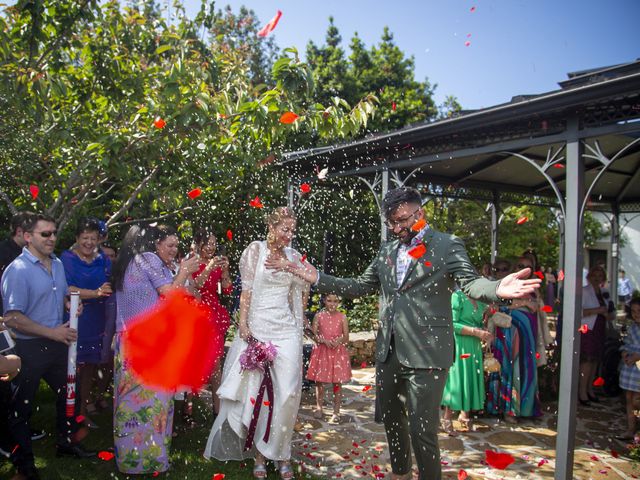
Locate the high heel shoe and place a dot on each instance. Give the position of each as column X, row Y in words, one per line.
column 465, row 422
column 447, row 427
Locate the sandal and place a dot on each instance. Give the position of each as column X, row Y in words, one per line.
column 259, row 470
column 317, row 413
column 335, row 418
column 465, row 422
column 447, row 427
column 285, row 470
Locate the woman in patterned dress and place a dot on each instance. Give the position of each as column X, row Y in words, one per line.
column 143, row 418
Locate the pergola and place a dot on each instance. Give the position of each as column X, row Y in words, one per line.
column 572, row 149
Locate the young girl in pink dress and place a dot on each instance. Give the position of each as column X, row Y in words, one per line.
column 330, row 358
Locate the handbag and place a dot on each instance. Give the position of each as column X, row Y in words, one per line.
column 490, row 363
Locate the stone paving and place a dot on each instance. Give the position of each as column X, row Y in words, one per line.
column 356, row 447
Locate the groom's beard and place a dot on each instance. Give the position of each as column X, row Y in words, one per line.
column 405, row 235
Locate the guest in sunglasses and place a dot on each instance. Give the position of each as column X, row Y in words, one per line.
column 34, row 290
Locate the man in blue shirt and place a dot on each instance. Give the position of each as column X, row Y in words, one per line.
column 34, row 290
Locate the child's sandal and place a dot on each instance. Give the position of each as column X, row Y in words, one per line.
column 286, row 472
column 259, row 470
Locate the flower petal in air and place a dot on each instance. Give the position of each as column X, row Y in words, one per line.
column 417, row 251
column 584, row 328
column 462, row 475
column 561, row 275
column 106, row 456
column 195, row 193
column 159, row 123
column 419, row 225
column 522, row 220
column 270, row 27
column 305, row 188
column 256, row 203
column 547, row 309
column 598, row 382
column 366, row 388
column 34, row 190
column 288, row 118
column 229, row 235
column 464, row 356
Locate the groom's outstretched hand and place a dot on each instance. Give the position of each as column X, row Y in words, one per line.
column 518, row 285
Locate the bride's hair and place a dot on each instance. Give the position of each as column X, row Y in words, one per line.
column 280, row 213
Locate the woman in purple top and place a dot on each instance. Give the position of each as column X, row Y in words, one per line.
column 142, row 417
column 88, row 272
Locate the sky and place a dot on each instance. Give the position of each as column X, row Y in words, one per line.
column 515, row 46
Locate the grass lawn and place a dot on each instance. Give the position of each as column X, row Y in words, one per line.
column 187, row 461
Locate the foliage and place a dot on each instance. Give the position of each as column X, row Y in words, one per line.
column 383, row 71
column 363, row 314
column 114, row 113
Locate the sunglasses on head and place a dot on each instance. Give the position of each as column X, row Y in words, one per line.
column 47, row 234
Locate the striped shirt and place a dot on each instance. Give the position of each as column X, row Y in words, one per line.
column 404, row 259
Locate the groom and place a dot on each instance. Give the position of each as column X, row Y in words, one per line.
column 416, row 274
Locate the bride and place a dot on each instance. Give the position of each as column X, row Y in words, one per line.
column 271, row 310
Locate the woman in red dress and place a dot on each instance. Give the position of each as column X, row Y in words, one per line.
column 212, row 279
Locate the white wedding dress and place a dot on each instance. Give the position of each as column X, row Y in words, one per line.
column 275, row 315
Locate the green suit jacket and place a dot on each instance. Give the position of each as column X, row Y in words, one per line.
column 418, row 312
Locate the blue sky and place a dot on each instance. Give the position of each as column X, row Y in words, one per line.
column 517, row 46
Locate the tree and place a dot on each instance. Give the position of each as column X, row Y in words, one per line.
column 114, row 113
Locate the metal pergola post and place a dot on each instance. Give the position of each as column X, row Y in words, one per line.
column 495, row 208
column 572, row 305
column 383, row 193
column 615, row 253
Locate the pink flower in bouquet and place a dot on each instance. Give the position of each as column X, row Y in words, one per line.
column 258, row 355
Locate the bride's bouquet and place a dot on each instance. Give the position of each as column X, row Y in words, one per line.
column 258, row 355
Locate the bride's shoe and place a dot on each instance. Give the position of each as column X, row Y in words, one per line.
column 286, row 473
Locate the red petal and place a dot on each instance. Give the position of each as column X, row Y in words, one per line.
column 594, row 458
column 522, row 220
column 34, row 190
column 427, row 263
column 106, row 456
column 308, row 436
column 547, row 309
column 558, row 165
column 393, row 106
column 561, row 275
column 229, row 235
column 303, row 258
column 467, row 43
column 583, row 328
column 419, row 225
column 366, row 388
column 159, row 123
column 363, row 365
column 217, row 476
column 472, row 9
column 270, row 27
column 542, row 462
column 462, row 475
column 355, row 444
column 266, row 403
column 195, row 193
column 305, row 188
column 598, row 382
column 155, row 474
column 418, row 251
column 539, row 274
column 336, row 388
column 614, row 454
column 256, row 203
column 498, row 460
column 465, row 356
column 187, row 325
column 288, row 118
column 537, row 356
column 80, row 418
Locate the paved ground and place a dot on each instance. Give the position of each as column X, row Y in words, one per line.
column 356, row 448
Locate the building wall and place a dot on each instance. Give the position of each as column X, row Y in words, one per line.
column 629, row 254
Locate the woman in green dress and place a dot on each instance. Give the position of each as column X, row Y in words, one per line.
column 464, row 390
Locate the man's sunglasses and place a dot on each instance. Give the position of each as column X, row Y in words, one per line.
column 47, row 234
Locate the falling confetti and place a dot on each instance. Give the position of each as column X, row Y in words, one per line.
column 467, row 43
column 537, row 356
column 464, row 356
column 230, row 235
column 366, row 388
column 393, row 106
column 303, row 258
column 80, row 418
column 419, row 225
column 428, row 263
column 522, row 220
column 106, row 456
column 305, row 188
column 558, row 165
column 539, row 274
column 547, row 309
column 462, row 475
column 34, row 190
column 322, row 174
column 472, row 9
column 218, row 476
column 288, row 118
column 181, row 321
column 363, row 365
column 159, row 123
column 270, row 27
column 256, row 203
column 336, row 388
column 542, row 462
column 561, row 275
column 417, row 251
column 598, row 382
column 195, row 193
column 583, row 328
column 498, row 460
column 614, row 454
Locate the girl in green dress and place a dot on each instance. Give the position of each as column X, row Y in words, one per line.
column 464, row 390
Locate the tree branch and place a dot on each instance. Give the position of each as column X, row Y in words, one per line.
column 125, row 206
column 7, row 200
column 150, row 219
